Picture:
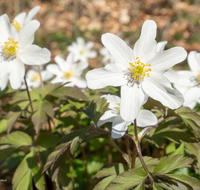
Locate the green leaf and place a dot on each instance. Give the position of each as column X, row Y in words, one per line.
column 193, row 182
column 5, row 153
column 49, row 89
column 48, row 108
column 103, row 184
column 16, row 138
column 3, row 125
column 155, row 187
column 170, row 163
column 74, row 144
column 140, row 186
column 14, row 114
column 47, row 140
column 94, row 110
column 63, row 180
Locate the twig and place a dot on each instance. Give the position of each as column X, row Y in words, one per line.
column 134, row 155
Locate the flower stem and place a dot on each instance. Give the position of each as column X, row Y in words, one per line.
column 29, row 97
column 139, row 152
column 134, row 154
column 128, row 148
column 41, row 81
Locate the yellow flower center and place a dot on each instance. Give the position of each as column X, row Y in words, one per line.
column 10, row 48
column 118, row 106
column 82, row 51
column 17, row 26
column 198, row 77
column 139, row 70
column 68, row 74
column 35, row 77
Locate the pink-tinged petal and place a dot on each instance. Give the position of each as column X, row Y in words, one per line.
column 164, row 60
column 119, row 50
column 194, row 61
column 79, row 82
column 61, row 63
column 31, row 14
column 193, row 94
column 132, row 99
column 3, row 82
column 35, row 55
column 20, row 18
column 171, row 75
column 119, row 127
column 145, row 47
column 26, row 34
column 146, row 118
column 110, row 75
column 113, row 100
column 5, row 32
column 161, row 46
column 54, row 69
column 17, row 74
column 159, row 88
column 107, row 117
column 184, row 78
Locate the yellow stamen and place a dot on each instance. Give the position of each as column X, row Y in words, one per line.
column 68, row 74
column 82, row 51
column 139, row 69
column 198, row 77
column 10, row 48
column 118, row 108
column 35, row 77
column 17, row 26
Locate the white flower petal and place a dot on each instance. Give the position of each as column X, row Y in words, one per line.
column 110, row 75
column 92, row 54
column 46, row 75
column 79, row 67
column 32, row 13
column 119, row 127
column 191, row 95
column 3, row 82
column 57, row 80
column 107, row 117
column 164, row 60
column 112, row 100
column 194, row 61
column 119, row 50
column 26, row 34
column 5, row 28
column 181, row 88
column 171, row 75
column 184, row 78
column 132, row 99
column 79, row 82
column 161, row 46
column 146, row 118
column 20, row 18
column 192, row 105
column 17, row 74
column 159, row 88
column 61, row 63
column 80, row 41
column 89, row 45
column 30, row 73
column 4, row 68
column 54, row 69
column 35, row 55
column 145, row 47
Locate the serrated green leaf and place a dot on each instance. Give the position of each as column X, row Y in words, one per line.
column 5, row 153
column 74, row 144
column 49, row 89
column 193, row 182
column 113, row 169
column 48, row 108
column 140, row 186
column 94, row 110
column 103, row 184
column 155, row 187
column 170, row 163
column 16, row 138
column 47, row 140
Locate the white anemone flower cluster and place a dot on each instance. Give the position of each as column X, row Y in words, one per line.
column 68, row 71
column 16, row 49
column 81, row 50
column 189, row 81
column 119, row 126
column 107, row 58
column 139, row 71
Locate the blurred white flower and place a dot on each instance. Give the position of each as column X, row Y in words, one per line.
column 189, row 81
column 16, row 49
column 119, row 126
column 68, row 71
column 21, row 19
column 107, row 58
column 139, row 71
column 81, row 50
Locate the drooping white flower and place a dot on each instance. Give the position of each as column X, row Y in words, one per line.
column 68, row 71
column 119, row 126
column 81, row 50
column 21, row 19
column 107, row 58
column 139, row 71
column 16, row 49
column 189, row 81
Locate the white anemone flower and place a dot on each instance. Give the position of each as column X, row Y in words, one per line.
column 16, row 49
column 139, row 71
column 21, row 19
column 189, row 81
column 119, row 126
column 107, row 58
column 81, row 50
column 68, row 71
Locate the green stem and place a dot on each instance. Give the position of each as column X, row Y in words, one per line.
column 128, row 148
column 134, row 155
column 29, row 97
column 41, row 81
